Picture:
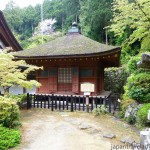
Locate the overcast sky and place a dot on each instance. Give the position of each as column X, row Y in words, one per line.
column 20, row 3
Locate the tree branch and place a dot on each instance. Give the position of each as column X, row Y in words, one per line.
column 142, row 10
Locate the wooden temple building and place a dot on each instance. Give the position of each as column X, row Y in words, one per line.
column 73, row 64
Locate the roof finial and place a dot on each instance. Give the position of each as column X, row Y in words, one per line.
column 74, row 28
column 74, row 24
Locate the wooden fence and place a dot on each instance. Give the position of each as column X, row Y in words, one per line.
column 72, row 103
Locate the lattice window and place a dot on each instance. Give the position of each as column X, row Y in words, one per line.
column 64, row 79
column 64, row 75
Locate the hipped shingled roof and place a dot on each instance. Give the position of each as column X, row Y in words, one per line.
column 6, row 35
column 68, row 45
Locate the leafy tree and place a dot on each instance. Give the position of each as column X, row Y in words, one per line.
column 92, row 16
column 64, row 11
column 134, row 16
column 95, row 15
column 14, row 16
column 11, row 73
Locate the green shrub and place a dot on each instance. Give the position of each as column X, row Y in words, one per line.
column 9, row 112
column 115, row 79
column 132, row 64
column 138, row 87
column 131, row 119
column 9, row 138
column 142, row 116
column 100, row 110
column 21, row 99
column 119, row 114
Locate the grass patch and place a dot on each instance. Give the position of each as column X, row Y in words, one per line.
column 9, row 138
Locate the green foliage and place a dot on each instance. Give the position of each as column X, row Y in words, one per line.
column 119, row 114
column 9, row 112
column 138, row 87
column 9, row 138
column 137, row 20
column 21, row 99
column 145, row 46
column 12, row 74
column 131, row 119
column 126, row 103
column 131, row 29
column 101, row 110
column 125, row 53
column 132, row 64
column 142, row 119
column 115, row 78
column 94, row 16
column 23, row 21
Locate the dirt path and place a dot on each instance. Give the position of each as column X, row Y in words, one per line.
column 46, row 130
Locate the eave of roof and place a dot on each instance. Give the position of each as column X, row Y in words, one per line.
column 7, row 34
column 71, row 45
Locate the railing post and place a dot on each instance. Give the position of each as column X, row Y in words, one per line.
column 109, row 101
column 71, row 103
column 49, row 101
column 34, row 101
column 59, row 102
column 56, row 102
column 87, row 103
column 105, row 101
column 95, row 105
column 63, row 98
column 92, row 101
column 28, row 101
column 67, row 102
column 52, row 102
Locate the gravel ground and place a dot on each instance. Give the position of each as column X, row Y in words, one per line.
column 43, row 129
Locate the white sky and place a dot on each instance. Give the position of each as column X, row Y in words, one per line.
column 20, row 3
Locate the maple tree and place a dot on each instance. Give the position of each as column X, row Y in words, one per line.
column 11, row 72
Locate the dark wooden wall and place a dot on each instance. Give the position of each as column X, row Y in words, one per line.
column 50, row 83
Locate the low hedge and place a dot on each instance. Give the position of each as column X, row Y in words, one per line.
column 9, row 112
column 138, row 87
column 9, row 138
column 21, row 100
column 142, row 116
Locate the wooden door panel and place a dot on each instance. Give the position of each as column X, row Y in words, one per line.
column 75, row 80
column 44, row 85
column 52, row 84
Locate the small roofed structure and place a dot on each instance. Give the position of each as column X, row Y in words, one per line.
column 73, row 64
column 7, row 39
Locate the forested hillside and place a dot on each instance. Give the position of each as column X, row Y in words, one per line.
column 92, row 17
column 127, row 22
